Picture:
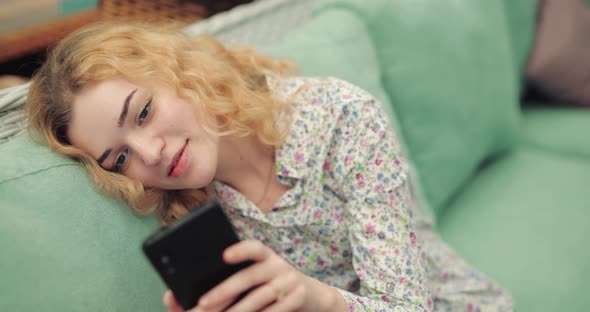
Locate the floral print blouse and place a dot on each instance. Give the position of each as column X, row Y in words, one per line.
column 349, row 219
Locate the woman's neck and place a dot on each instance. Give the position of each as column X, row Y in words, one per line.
column 243, row 162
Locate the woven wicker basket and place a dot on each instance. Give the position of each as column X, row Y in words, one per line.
column 165, row 10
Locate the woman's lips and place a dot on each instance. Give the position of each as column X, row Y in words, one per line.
column 179, row 163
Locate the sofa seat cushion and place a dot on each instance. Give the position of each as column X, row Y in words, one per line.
column 524, row 221
column 559, row 130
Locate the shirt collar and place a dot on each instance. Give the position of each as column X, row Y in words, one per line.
column 292, row 157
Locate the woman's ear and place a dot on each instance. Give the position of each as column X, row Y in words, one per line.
column 559, row 65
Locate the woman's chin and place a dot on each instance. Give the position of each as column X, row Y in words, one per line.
column 197, row 183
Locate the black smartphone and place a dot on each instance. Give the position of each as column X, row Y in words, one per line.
column 188, row 253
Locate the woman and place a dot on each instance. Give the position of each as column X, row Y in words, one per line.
column 308, row 170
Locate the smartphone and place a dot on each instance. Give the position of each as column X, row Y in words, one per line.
column 188, row 253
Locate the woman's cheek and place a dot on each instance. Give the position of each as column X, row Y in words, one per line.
column 142, row 176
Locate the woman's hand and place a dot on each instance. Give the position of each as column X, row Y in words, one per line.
column 275, row 284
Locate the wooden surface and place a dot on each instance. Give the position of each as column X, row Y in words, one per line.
column 36, row 39
column 154, row 11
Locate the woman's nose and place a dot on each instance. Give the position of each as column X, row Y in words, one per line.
column 148, row 147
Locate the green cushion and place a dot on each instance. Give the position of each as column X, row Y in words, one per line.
column 64, row 247
column 448, row 69
column 557, row 129
column 524, row 221
column 521, row 16
column 334, row 43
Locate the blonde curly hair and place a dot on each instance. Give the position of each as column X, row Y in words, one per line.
column 229, row 83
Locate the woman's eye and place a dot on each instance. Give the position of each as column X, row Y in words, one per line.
column 145, row 112
column 120, row 161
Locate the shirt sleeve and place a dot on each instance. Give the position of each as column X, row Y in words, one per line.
column 373, row 178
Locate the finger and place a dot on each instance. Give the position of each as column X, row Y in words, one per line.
column 268, row 293
column 220, row 306
column 246, row 250
column 292, row 302
column 170, row 302
column 238, row 283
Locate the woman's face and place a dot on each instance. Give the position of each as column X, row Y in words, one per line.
column 148, row 134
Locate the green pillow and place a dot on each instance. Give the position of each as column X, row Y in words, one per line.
column 334, row 43
column 521, row 17
column 64, row 247
column 448, row 69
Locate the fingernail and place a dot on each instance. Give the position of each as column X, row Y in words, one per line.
column 228, row 254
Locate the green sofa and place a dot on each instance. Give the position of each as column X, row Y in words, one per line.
column 507, row 183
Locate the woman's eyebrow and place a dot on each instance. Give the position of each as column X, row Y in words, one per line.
column 120, row 123
column 125, row 109
column 104, row 155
